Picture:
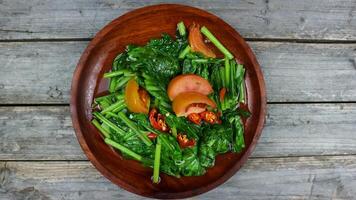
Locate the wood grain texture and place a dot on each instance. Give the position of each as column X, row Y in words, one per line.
column 326, row 177
column 308, row 72
column 37, row 133
column 40, row 72
column 308, row 129
column 37, row 72
column 290, row 130
column 40, row 19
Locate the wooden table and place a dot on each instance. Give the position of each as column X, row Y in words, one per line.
column 307, row 50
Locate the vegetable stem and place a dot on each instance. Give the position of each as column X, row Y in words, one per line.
column 216, row 42
column 242, row 95
column 119, row 108
column 166, row 143
column 120, row 97
column 222, row 76
column 239, row 134
column 227, row 73
column 124, row 72
column 174, row 131
column 104, row 103
column 233, row 78
column 124, row 149
column 200, row 60
column 151, row 88
column 98, row 126
column 242, row 92
column 106, row 128
column 181, row 28
column 130, row 124
column 112, row 106
column 184, row 52
column 156, row 163
column 109, row 123
column 129, row 135
column 112, row 84
column 121, row 82
column 98, row 99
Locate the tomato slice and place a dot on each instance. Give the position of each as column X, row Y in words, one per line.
column 136, row 98
column 144, row 96
column 195, row 108
column 188, row 83
column 182, row 102
column 184, row 142
column 197, row 43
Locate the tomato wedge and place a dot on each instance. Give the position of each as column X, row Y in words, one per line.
column 136, row 98
column 144, row 96
column 184, row 100
column 195, row 108
column 197, row 43
column 188, row 83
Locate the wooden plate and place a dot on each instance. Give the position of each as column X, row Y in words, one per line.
column 137, row 27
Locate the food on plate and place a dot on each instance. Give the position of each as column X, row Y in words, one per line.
column 197, row 43
column 136, row 98
column 183, row 103
column 188, row 83
column 173, row 105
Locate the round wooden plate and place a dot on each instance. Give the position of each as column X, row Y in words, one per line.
column 137, row 27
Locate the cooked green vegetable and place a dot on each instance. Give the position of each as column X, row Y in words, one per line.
column 216, row 42
column 101, row 129
column 181, row 28
column 156, row 163
column 183, row 148
column 124, row 149
column 184, row 52
column 113, row 106
column 133, row 127
column 109, row 123
column 216, row 140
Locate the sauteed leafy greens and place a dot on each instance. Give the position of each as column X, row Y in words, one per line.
column 173, row 105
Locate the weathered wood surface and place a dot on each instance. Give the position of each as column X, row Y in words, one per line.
column 37, row 133
column 41, row 72
column 305, row 19
column 38, row 72
column 326, row 177
column 306, row 151
column 45, row 133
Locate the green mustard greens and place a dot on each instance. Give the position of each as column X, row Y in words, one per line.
column 153, row 66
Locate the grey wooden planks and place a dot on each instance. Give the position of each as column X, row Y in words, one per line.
column 306, row 151
column 308, row 129
column 45, row 132
column 41, row 72
column 326, row 177
column 318, row 19
column 37, row 133
column 308, row 72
